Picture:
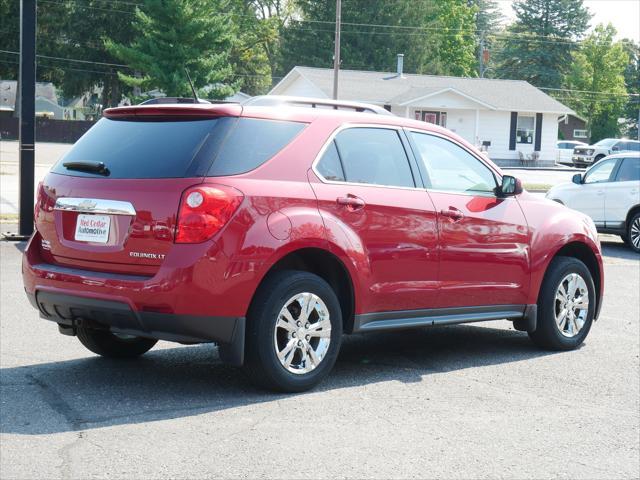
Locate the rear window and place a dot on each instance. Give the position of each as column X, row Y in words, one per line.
column 179, row 148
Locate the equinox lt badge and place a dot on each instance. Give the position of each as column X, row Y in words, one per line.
column 152, row 256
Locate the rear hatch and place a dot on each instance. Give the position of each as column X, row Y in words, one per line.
column 111, row 203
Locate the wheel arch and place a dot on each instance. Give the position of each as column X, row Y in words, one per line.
column 632, row 211
column 327, row 266
column 584, row 253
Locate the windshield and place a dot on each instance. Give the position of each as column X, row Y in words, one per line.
column 607, row 142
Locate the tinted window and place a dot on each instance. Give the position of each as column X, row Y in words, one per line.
column 629, row 170
column 136, row 149
column 374, row 155
column 633, row 146
column 329, row 165
column 251, row 143
column 600, row 172
column 450, row 167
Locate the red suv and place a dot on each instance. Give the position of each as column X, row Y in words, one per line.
column 273, row 228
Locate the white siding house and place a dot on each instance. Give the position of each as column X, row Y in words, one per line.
column 510, row 119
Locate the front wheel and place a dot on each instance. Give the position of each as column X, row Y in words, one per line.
column 633, row 233
column 113, row 345
column 294, row 329
column 566, row 305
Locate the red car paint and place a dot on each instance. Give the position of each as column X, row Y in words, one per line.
column 403, row 249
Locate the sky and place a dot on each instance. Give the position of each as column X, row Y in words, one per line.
column 624, row 14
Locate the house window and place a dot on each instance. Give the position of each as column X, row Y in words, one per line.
column 437, row 118
column 525, row 131
column 580, row 134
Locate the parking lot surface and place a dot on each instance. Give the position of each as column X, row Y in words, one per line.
column 456, row 402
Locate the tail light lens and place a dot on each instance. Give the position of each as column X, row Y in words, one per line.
column 204, row 210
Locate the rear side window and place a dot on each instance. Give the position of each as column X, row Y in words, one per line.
column 375, row 156
column 629, row 170
column 141, row 149
column 251, row 143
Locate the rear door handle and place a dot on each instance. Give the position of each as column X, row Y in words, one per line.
column 352, row 202
column 453, row 213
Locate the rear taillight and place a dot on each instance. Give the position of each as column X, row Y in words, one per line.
column 204, row 210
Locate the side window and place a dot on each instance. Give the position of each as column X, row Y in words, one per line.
column 375, row 156
column 629, row 170
column 251, row 143
column 451, row 168
column 329, row 165
column 601, row 172
column 634, row 146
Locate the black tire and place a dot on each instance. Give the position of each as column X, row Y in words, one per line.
column 109, row 345
column 597, row 159
column 547, row 334
column 633, row 227
column 261, row 361
column 624, row 239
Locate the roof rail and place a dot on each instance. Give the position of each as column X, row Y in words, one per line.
column 168, row 100
column 274, row 100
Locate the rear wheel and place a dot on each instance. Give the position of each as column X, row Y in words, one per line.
column 566, row 305
column 294, row 329
column 112, row 345
column 633, row 233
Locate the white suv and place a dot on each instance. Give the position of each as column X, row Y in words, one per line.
column 584, row 156
column 609, row 192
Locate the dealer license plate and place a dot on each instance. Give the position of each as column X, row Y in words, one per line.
column 93, row 228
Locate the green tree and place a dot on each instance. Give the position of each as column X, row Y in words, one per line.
column 537, row 47
column 172, row 35
column 598, row 68
column 81, row 62
column 435, row 37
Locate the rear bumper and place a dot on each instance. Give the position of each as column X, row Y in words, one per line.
column 71, row 311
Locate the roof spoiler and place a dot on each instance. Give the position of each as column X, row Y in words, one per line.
column 275, row 100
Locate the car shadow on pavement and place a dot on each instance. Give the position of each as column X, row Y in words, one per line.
column 94, row 392
column 618, row 250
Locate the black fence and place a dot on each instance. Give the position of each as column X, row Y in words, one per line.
column 47, row 129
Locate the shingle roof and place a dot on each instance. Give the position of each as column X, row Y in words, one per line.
column 388, row 88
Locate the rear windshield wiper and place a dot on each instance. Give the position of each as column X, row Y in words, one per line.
column 91, row 167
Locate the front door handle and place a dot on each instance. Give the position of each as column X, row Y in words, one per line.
column 453, row 213
column 352, row 202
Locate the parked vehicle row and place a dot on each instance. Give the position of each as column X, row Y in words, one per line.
column 583, row 156
column 609, row 192
column 275, row 230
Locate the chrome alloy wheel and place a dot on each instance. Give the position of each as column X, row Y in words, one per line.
column 634, row 232
column 571, row 305
column 303, row 333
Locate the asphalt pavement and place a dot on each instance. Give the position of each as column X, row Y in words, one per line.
column 476, row 401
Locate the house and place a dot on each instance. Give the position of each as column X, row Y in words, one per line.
column 510, row 119
column 47, row 101
column 572, row 127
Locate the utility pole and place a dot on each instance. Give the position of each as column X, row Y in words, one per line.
column 481, row 56
column 336, row 52
column 27, row 99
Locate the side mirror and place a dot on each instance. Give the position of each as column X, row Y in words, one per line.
column 615, row 149
column 577, row 179
column 510, row 186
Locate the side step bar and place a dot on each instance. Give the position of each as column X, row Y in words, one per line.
column 524, row 317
